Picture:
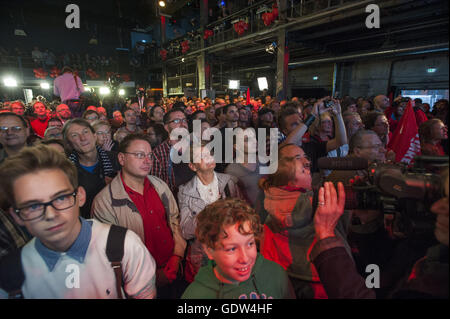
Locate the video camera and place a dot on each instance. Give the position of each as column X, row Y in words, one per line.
column 114, row 82
column 403, row 194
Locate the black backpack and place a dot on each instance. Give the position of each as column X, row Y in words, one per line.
column 12, row 276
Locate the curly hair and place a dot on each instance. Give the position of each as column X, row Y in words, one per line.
column 213, row 219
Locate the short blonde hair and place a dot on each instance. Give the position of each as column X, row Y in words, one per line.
column 98, row 123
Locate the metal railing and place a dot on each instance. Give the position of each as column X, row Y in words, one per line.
column 223, row 29
column 24, row 67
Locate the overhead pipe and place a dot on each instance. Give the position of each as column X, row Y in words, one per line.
column 433, row 48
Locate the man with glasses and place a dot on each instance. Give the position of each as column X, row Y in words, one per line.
column 63, row 112
column 14, row 132
column 67, row 256
column 173, row 174
column 144, row 204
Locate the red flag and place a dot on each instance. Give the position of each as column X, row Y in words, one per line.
column 405, row 140
column 248, row 96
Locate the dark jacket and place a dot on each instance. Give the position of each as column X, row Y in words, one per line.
column 107, row 167
column 338, row 274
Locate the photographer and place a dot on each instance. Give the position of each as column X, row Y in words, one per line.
column 294, row 129
column 337, row 272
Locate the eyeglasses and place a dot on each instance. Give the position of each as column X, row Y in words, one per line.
column 57, row 135
column 373, row 146
column 178, row 121
column 141, row 155
column 103, row 133
column 37, row 210
column 13, row 129
column 92, row 118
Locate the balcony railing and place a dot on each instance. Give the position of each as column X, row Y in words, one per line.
column 223, row 29
column 23, row 67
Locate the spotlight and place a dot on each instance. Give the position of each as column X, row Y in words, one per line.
column 121, row 92
column 20, row 32
column 431, row 70
column 45, row 85
column 162, row 4
column 262, row 83
column 104, row 91
column 315, row 78
column 271, row 48
column 233, row 84
column 182, row 59
column 10, row 82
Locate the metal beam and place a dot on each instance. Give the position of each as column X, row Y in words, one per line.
column 300, row 23
column 432, row 48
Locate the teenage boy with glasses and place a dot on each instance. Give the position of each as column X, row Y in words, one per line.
column 67, row 258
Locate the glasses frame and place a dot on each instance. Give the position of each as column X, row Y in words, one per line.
column 136, row 155
column 178, row 121
column 46, row 204
column 15, row 129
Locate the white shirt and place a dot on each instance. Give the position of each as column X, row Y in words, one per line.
column 94, row 278
column 208, row 193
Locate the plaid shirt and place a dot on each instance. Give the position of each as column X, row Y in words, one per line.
column 161, row 163
column 11, row 235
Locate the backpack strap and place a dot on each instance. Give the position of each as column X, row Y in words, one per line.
column 12, row 276
column 114, row 252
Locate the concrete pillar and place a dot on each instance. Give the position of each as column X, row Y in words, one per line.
column 203, row 67
column 164, row 67
column 164, row 79
column 282, row 66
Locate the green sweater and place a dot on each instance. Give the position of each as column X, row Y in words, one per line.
column 258, row 286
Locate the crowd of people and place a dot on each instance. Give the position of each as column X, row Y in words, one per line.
column 48, row 59
column 208, row 227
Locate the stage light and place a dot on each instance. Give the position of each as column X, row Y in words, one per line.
column 20, row 32
column 45, row 85
column 233, row 84
column 431, row 70
column 315, row 78
column 104, row 91
column 271, row 48
column 10, row 82
column 162, row 4
column 262, row 83
column 182, row 59
column 121, row 92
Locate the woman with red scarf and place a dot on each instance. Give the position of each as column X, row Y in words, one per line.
column 289, row 229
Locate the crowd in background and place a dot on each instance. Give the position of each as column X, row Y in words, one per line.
column 309, row 128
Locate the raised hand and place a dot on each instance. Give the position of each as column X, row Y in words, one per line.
column 330, row 208
column 107, row 146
